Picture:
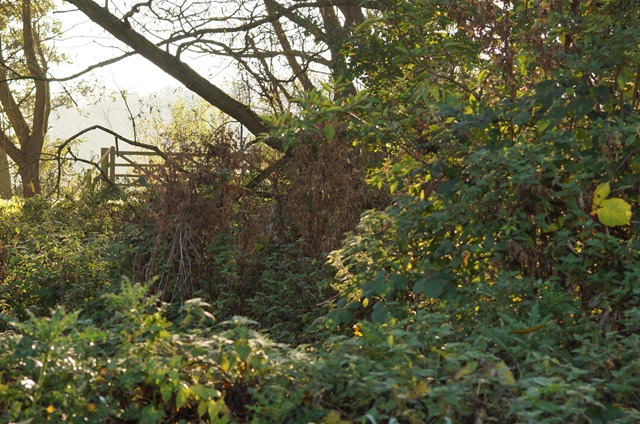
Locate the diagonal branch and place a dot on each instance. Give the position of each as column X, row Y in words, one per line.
column 10, row 107
column 7, row 145
column 175, row 67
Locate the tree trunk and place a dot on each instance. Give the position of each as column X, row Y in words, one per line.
column 30, row 138
column 30, row 174
column 5, row 176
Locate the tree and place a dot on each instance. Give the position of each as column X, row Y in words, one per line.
column 5, row 176
column 517, row 120
column 284, row 49
column 24, row 89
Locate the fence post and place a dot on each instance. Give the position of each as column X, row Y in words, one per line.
column 104, row 161
column 112, row 165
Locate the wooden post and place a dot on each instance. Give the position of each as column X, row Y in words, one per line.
column 112, row 165
column 104, row 161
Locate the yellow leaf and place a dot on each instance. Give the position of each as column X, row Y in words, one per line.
column 224, row 363
column 505, row 376
column 182, row 395
column 333, row 417
column 468, row 369
column 357, row 330
column 465, row 258
column 601, row 193
column 422, row 389
column 91, row 407
column 614, row 212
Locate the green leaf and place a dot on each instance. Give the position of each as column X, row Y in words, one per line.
column 399, row 282
column 243, row 351
column 214, row 408
column 522, row 118
column 345, row 316
column 380, row 313
column 202, row 408
column 468, row 369
column 182, row 395
column 614, row 212
column 432, row 286
column 329, row 132
column 601, row 193
column 150, row 415
column 166, row 391
column 368, row 23
column 447, row 189
column 205, row 392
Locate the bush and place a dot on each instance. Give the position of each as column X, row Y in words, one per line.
column 140, row 367
column 65, row 253
column 137, row 366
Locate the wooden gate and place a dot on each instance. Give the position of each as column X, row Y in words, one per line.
column 120, row 167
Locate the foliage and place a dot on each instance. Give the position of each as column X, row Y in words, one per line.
column 64, row 368
column 286, row 292
column 57, row 254
column 500, row 283
column 73, row 370
column 514, row 127
column 501, row 160
column 611, row 212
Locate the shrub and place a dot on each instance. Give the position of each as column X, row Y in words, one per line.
column 64, row 253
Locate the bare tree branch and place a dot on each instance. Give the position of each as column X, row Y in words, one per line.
column 116, row 135
column 284, row 42
column 75, row 158
column 174, row 67
column 77, row 135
